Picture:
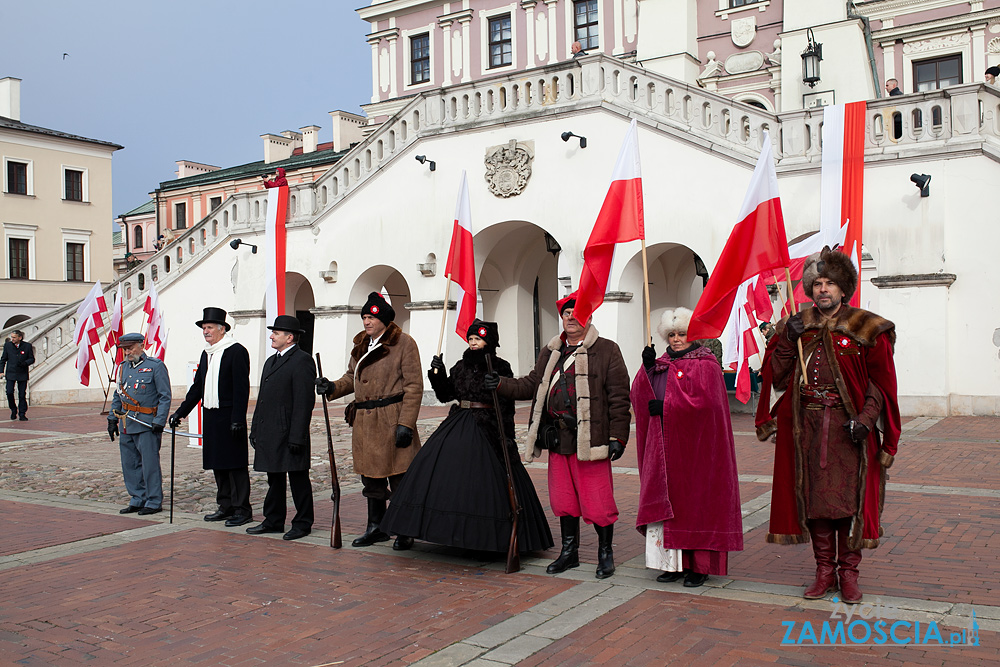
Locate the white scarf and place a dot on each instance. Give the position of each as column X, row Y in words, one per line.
column 210, row 394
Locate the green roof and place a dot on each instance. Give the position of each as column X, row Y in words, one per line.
column 259, row 168
column 148, row 207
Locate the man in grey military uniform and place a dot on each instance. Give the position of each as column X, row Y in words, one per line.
column 142, row 403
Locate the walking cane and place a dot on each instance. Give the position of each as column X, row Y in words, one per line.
column 173, row 447
column 513, row 553
column 335, row 538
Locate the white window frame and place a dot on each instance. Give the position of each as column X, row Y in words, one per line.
column 571, row 24
column 961, row 49
column 85, row 178
column 30, row 192
column 81, row 236
column 13, row 230
column 484, row 39
column 405, row 35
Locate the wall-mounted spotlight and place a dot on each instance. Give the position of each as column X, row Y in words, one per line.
column 922, row 181
column 810, row 60
column 423, row 159
column 236, row 243
column 566, row 136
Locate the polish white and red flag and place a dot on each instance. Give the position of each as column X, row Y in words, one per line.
column 89, row 321
column 739, row 342
column 757, row 244
column 620, row 220
column 274, row 253
column 156, row 335
column 117, row 327
column 461, row 265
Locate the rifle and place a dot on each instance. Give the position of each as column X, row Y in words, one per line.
column 513, row 554
column 335, row 539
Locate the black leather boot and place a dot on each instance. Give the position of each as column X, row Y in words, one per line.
column 373, row 534
column 605, row 554
column 569, row 557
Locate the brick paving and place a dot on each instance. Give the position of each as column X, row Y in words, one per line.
column 82, row 584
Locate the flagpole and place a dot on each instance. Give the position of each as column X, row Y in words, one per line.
column 648, row 322
column 444, row 316
column 795, row 310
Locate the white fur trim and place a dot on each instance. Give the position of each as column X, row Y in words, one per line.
column 674, row 320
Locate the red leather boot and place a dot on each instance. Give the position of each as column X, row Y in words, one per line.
column 848, row 561
column 823, row 533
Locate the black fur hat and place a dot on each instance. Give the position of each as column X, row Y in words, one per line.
column 378, row 308
column 833, row 265
column 488, row 331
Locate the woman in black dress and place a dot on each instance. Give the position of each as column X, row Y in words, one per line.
column 455, row 490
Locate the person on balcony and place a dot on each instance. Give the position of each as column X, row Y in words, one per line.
column 278, row 180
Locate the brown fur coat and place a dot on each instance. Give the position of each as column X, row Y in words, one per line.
column 391, row 368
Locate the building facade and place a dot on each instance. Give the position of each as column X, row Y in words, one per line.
column 55, row 210
column 380, row 218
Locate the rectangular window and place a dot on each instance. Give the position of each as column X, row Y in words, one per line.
column 180, row 215
column 500, row 41
column 74, row 262
column 17, row 178
column 214, row 203
column 74, row 185
column 585, row 23
column 740, row 3
column 937, row 73
column 18, row 258
column 420, row 59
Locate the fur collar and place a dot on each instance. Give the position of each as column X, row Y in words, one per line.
column 389, row 338
column 590, row 336
column 860, row 325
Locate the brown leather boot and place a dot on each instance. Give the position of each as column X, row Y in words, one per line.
column 823, row 533
column 848, row 562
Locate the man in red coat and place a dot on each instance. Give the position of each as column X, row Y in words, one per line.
column 830, row 457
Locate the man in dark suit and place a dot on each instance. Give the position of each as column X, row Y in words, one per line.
column 17, row 356
column 280, row 430
column 222, row 384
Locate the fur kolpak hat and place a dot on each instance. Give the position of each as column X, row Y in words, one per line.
column 488, row 331
column 568, row 301
column 832, row 265
column 674, row 320
column 378, row 308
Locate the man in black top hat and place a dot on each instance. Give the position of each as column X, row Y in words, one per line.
column 280, row 430
column 385, row 377
column 222, row 384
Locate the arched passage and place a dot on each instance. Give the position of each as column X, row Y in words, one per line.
column 674, row 281
column 16, row 319
column 391, row 285
column 299, row 300
column 518, row 286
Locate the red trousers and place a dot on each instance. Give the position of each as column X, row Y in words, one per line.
column 582, row 488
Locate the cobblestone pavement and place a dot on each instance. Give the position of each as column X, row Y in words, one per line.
column 84, row 584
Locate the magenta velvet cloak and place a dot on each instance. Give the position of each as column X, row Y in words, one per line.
column 687, row 460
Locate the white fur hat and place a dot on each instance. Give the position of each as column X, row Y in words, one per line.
column 674, row 320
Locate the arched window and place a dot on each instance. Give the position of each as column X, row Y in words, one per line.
column 137, row 237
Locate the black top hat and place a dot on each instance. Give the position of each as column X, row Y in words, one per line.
column 287, row 323
column 214, row 316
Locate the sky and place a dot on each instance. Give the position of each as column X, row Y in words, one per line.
column 183, row 80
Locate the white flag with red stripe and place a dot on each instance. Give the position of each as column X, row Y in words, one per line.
column 620, row 220
column 274, row 254
column 461, row 265
column 89, row 313
column 154, row 317
column 116, row 329
column 752, row 305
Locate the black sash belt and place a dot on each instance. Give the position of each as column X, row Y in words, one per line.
column 378, row 402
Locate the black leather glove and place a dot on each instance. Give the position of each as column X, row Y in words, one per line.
column 857, row 430
column 174, row 421
column 491, row 381
column 649, row 356
column 237, row 428
column 615, row 450
column 655, row 408
column 112, row 428
column 157, row 429
column 437, row 365
column 794, row 327
column 295, row 449
column 323, row 386
column 404, row 436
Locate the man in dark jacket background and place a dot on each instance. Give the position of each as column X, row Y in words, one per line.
column 17, row 356
column 222, row 384
column 280, row 430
